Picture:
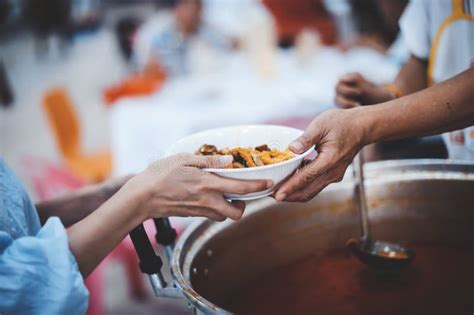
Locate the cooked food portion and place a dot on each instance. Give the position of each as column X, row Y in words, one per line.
column 248, row 157
column 207, row 149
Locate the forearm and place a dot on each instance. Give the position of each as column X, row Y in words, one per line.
column 412, row 76
column 91, row 239
column 174, row 186
column 78, row 204
column 442, row 107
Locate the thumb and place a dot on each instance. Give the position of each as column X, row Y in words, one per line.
column 309, row 137
column 210, row 161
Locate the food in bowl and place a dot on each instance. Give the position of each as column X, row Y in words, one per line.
column 244, row 137
column 244, row 157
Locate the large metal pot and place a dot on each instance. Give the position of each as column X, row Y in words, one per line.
column 411, row 200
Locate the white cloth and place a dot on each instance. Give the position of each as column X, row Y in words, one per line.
column 420, row 25
column 142, row 128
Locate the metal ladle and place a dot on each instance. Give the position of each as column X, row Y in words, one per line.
column 374, row 253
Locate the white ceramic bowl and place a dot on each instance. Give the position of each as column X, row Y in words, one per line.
column 247, row 136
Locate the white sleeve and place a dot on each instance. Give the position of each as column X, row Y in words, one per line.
column 415, row 30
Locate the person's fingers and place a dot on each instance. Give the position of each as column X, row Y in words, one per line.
column 239, row 204
column 214, row 207
column 345, row 102
column 234, row 186
column 228, row 209
column 348, row 91
column 310, row 136
column 308, row 193
column 211, row 161
column 213, row 215
column 318, row 184
column 305, row 176
column 351, row 78
column 196, row 211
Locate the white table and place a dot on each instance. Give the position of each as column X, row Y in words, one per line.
column 143, row 128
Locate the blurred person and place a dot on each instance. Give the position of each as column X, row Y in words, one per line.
column 5, row 10
column 43, row 264
column 170, row 48
column 125, row 30
column 440, row 38
column 340, row 133
column 292, row 17
column 376, row 26
column 49, row 17
column 6, row 93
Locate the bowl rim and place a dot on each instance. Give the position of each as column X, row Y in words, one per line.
column 247, row 169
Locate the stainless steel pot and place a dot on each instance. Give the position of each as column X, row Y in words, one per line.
column 410, row 200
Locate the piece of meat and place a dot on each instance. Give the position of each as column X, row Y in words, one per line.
column 256, row 158
column 248, row 157
column 225, row 151
column 244, row 153
column 207, row 149
column 262, row 147
column 237, row 165
column 275, row 156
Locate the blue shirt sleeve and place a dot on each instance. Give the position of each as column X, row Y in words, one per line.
column 39, row 274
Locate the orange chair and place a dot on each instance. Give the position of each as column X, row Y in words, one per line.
column 66, row 129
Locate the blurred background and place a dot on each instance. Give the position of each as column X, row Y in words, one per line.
column 91, row 89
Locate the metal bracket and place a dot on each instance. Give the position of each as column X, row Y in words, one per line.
column 150, row 262
column 163, row 289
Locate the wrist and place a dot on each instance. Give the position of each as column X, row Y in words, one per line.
column 141, row 196
column 365, row 119
column 393, row 91
column 110, row 187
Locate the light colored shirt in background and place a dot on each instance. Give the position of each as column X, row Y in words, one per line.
column 442, row 32
column 173, row 52
column 38, row 273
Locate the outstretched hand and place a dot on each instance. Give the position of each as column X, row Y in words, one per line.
column 338, row 138
column 178, row 186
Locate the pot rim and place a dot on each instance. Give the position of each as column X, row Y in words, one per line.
column 182, row 283
column 414, row 168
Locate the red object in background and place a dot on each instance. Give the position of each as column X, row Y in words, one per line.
column 136, row 85
column 49, row 181
column 293, row 16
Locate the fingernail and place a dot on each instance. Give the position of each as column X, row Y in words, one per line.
column 297, row 146
column 280, row 197
column 269, row 184
column 225, row 159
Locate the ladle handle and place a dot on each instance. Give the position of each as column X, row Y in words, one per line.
column 358, row 165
